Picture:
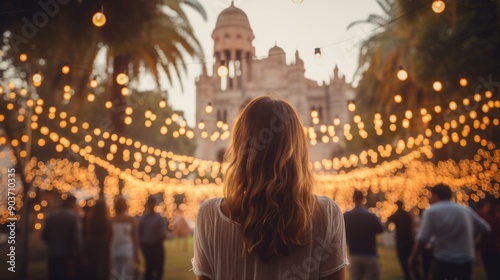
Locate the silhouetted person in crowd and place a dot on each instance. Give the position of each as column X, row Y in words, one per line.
column 152, row 232
column 269, row 225
column 182, row 229
column 125, row 243
column 490, row 249
column 404, row 225
column 97, row 242
column 453, row 227
column 63, row 235
column 361, row 229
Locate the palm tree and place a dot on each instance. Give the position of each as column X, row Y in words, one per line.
column 381, row 56
column 155, row 34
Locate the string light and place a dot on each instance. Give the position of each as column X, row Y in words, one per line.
column 317, row 51
column 99, row 19
column 37, row 79
column 65, row 69
column 23, row 57
column 93, row 83
column 438, row 6
column 463, row 82
column 122, row 79
column 222, row 71
column 402, row 74
column 351, row 106
column 163, row 103
column 209, row 108
column 437, row 86
column 397, row 98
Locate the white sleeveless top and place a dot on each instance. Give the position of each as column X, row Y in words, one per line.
column 218, row 245
column 122, row 244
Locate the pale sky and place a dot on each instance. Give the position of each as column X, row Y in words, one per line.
column 302, row 27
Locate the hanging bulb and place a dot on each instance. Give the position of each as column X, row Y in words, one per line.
column 402, row 74
column 65, row 69
column 91, row 97
column 122, row 79
column 317, row 52
column 201, row 124
column 209, row 108
column 93, row 82
column 463, row 82
column 437, row 86
column 23, row 57
column 398, row 98
column 37, row 79
column 99, row 19
column 148, row 113
column 438, row 6
column 351, row 106
column 222, row 70
column 336, row 121
column 163, row 103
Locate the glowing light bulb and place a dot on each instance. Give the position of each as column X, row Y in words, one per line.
column 463, row 82
column 91, row 97
column 336, row 121
column 65, row 69
column 23, row 57
column 437, row 86
column 122, row 79
column 163, row 103
column 125, row 91
column 398, row 98
column 438, row 6
column 222, row 71
column 201, row 124
column 37, row 79
column 351, row 107
column 402, row 74
column 99, row 19
column 209, row 108
column 93, row 83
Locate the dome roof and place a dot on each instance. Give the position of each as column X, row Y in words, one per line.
column 232, row 16
column 276, row 51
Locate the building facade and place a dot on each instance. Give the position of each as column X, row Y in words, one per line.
column 220, row 97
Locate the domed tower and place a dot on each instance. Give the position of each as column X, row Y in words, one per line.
column 233, row 47
column 277, row 55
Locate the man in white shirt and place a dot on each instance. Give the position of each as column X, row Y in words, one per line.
column 453, row 227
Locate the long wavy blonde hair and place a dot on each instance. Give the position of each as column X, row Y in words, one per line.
column 269, row 183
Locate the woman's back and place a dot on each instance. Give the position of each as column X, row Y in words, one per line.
column 218, row 247
column 122, row 244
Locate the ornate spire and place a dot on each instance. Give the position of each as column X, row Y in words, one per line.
column 336, row 72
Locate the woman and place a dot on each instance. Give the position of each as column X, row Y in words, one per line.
column 124, row 245
column 269, row 225
column 98, row 236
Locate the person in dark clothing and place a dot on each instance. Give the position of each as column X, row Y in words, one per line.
column 403, row 223
column 98, row 238
column 361, row 229
column 63, row 235
column 152, row 233
column 490, row 249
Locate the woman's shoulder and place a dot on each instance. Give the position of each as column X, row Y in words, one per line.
column 211, row 203
column 328, row 205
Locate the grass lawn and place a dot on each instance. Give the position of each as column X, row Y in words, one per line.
column 178, row 262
